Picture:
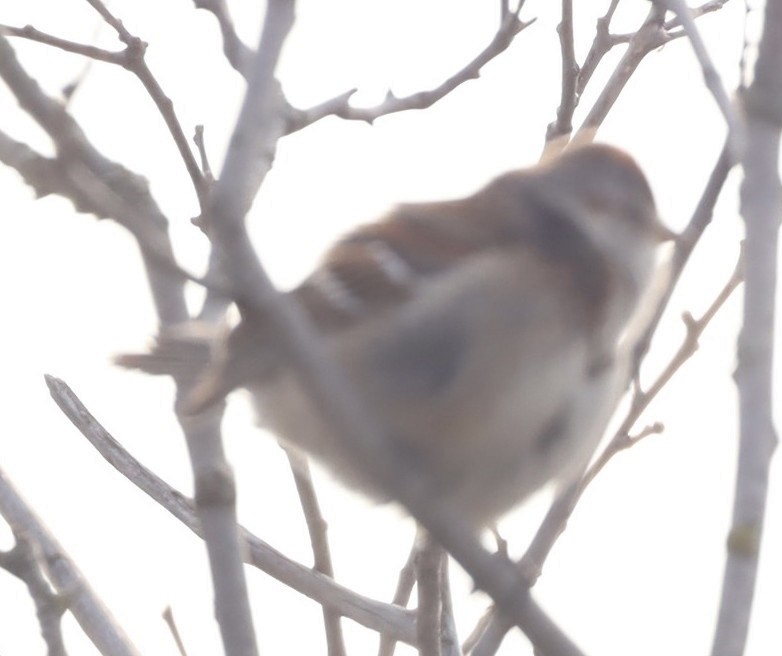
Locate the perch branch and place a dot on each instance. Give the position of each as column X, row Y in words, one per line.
column 384, row 618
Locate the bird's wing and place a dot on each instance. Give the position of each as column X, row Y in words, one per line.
column 385, row 264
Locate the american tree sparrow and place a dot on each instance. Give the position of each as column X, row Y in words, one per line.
column 482, row 333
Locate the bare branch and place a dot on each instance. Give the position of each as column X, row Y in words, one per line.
column 98, row 184
column 198, row 140
column 685, row 244
column 317, row 529
column 601, row 44
column 568, row 99
column 710, row 75
column 760, row 207
column 404, row 588
column 132, row 58
column 88, row 610
column 21, row 561
column 56, row 176
column 544, row 539
column 46, row 176
column 697, row 12
column 647, row 38
column 654, row 33
column 429, row 585
column 168, row 618
column 449, row 637
column 670, row 25
column 238, row 54
column 372, row 614
column 494, row 629
column 340, row 106
column 213, row 478
column 98, row 54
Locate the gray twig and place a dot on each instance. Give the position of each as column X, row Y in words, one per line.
column 384, row 618
column 88, row 610
column 317, row 529
column 510, row 26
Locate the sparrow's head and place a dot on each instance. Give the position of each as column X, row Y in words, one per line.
column 606, row 194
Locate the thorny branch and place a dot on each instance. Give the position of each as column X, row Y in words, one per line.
column 340, row 106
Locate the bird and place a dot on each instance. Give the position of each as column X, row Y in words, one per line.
column 488, row 335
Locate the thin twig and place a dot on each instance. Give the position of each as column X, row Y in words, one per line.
column 98, row 54
column 568, row 98
column 168, row 618
column 340, row 106
column 653, row 33
column 132, row 59
column 685, row 244
column 404, row 588
column 384, row 618
column 88, row 610
column 100, row 185
column 601, row 44
column 647, row 38
column 198, row 140
column 671, row 24
column 317, row 529
column 238, row 54
column 710, row 75
column 136, row 63
column 541, row 544
column 478, row 636
column 21, row 561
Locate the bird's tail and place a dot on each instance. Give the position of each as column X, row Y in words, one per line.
column 182, row 352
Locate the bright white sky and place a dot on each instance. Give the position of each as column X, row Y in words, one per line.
column 639, row 567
